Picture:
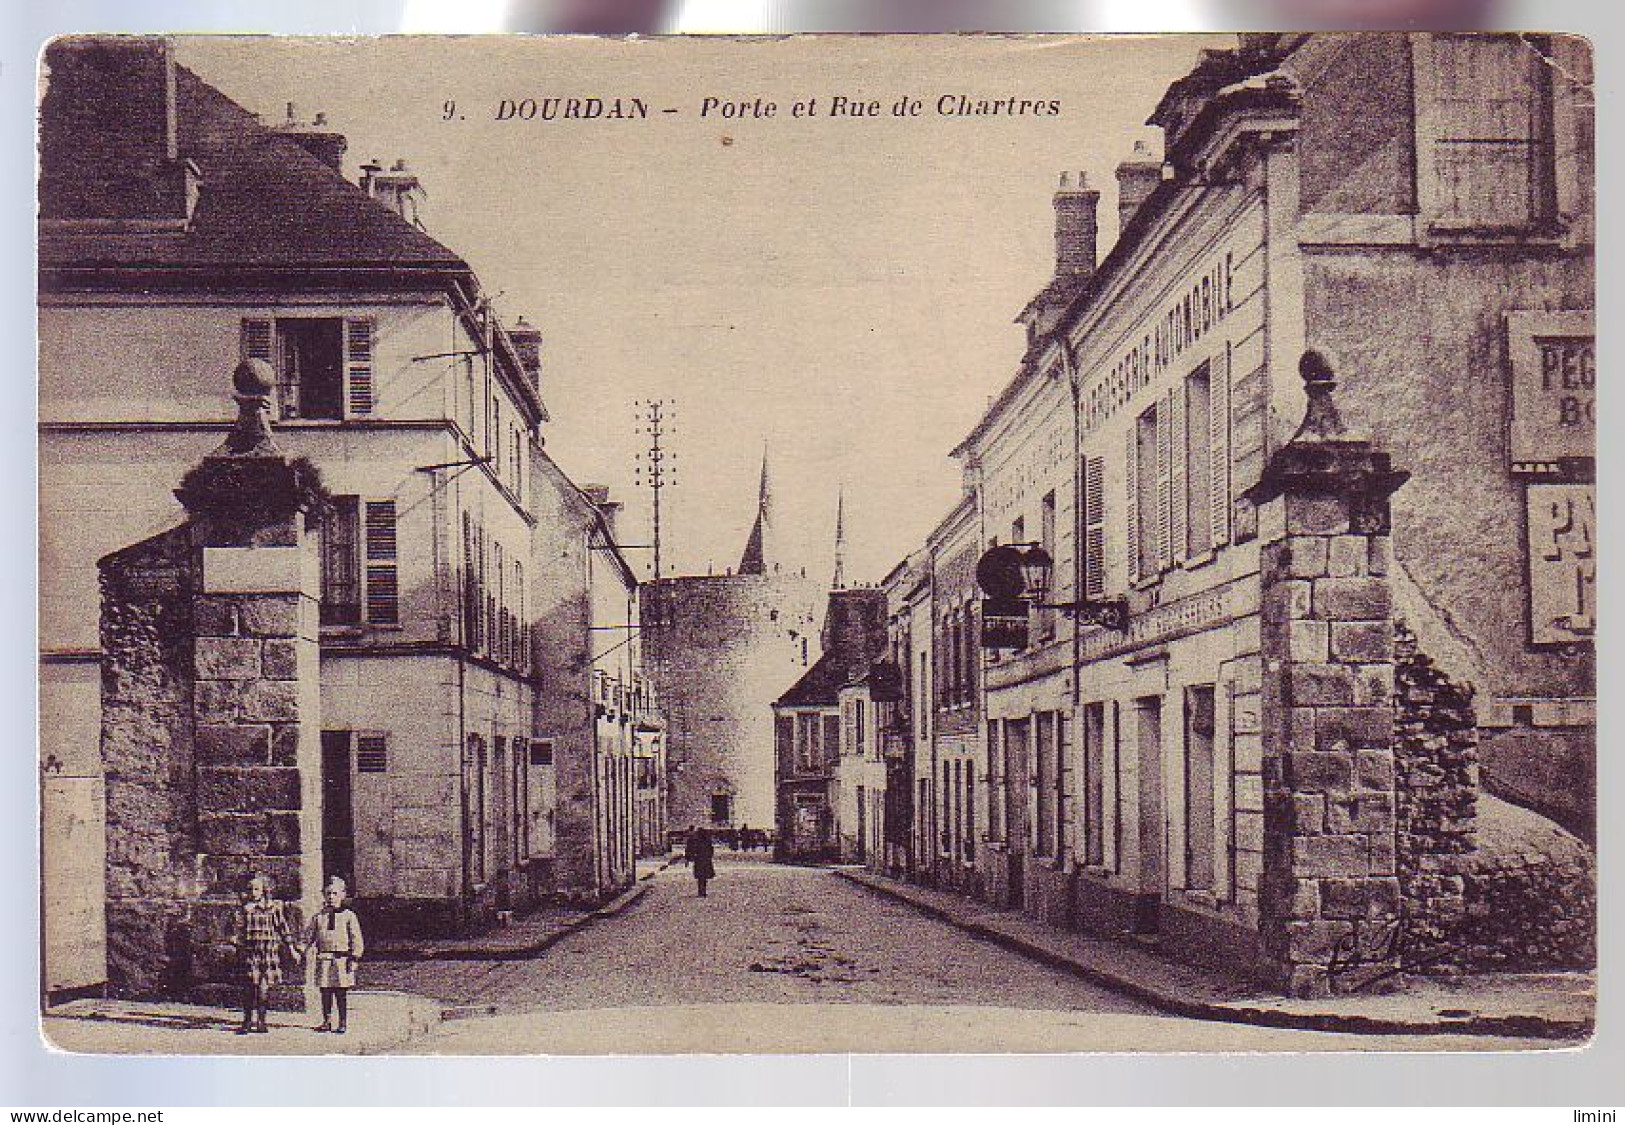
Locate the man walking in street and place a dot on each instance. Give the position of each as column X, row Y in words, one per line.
column 698, row 850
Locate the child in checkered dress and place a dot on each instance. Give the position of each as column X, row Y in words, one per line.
column 262, row 936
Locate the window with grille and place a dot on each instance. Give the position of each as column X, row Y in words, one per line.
column 341, row 562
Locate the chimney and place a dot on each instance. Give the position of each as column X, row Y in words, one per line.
column 1075, row 227
column 527, row 341
column 1137, row 178
column 316, row 138
column 109, row 146
column 396, row 188
column 598, row 495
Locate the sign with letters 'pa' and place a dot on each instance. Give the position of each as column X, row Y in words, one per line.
column 1562, row 563
column 1554, row 386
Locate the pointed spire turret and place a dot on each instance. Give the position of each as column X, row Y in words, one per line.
column 840, row 540
column 755, row 559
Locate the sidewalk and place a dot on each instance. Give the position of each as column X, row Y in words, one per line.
column 525, row 937
column 379, row 1022
column 1538, row 1005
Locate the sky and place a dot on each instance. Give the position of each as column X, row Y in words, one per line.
column 839, row 291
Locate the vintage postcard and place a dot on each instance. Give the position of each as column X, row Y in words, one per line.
column 834, row 543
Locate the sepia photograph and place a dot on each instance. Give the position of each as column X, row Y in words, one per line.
column 817, row 544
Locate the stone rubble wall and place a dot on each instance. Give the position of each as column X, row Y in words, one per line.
column 1486, row 885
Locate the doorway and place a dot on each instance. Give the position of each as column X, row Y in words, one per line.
column 1017, row 778
column 338, row 808
column 1152, row 829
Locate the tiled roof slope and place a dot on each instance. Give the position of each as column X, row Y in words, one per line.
column 265, row 203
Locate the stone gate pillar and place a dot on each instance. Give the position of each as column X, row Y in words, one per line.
column 211, row 713
column 1329, row 901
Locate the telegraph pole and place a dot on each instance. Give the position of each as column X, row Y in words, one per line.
column 655, row 419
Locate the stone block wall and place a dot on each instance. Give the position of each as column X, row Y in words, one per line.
column 1331, row 880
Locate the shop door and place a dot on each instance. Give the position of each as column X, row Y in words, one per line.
column 1152, row 819
column 1017, row 781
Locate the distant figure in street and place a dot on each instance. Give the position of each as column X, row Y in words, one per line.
column 743, row 840
column 335, row 935
column 698, row 850
column 262, row 936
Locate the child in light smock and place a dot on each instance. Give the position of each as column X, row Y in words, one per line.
column 335, row 935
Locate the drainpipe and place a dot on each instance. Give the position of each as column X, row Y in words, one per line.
column 1074, row 379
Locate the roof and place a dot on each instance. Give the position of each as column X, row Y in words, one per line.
column 820, row 686
column 1204, row 99
column 264, row 203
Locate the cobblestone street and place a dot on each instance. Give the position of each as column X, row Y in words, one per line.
column 792, row 958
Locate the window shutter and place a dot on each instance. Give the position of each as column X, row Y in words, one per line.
column 371, row 753
column 383, row 588
column 1178, row 504
column 1094, row 527
column 1131, row 474
column 1219, row 446
column 258, row 341
column 471, row 586
column 358, row 366
column 1165, row 482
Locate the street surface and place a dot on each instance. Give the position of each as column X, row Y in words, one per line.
column 795, row 959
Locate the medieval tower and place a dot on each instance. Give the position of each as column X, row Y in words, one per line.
column 721, row 648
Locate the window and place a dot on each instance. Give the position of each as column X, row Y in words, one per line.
column 341, row 562
column 1486, row 136
column 1199, row 536
column 324, row 365
column 784, row 738
column 807, row 732
column 1094, row 527
column 1046, row 540
column 944, row 814
column 858, row 738
column 1142, row 481
column 357, row 561
column 541, row 752
column 832, row 739
column 1199, row 730
column 722, row 808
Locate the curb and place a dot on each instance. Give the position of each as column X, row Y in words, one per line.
column 519, row 952
column 1523, row 1026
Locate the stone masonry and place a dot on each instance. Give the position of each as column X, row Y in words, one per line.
column 1330, row 898
column 210, row 724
